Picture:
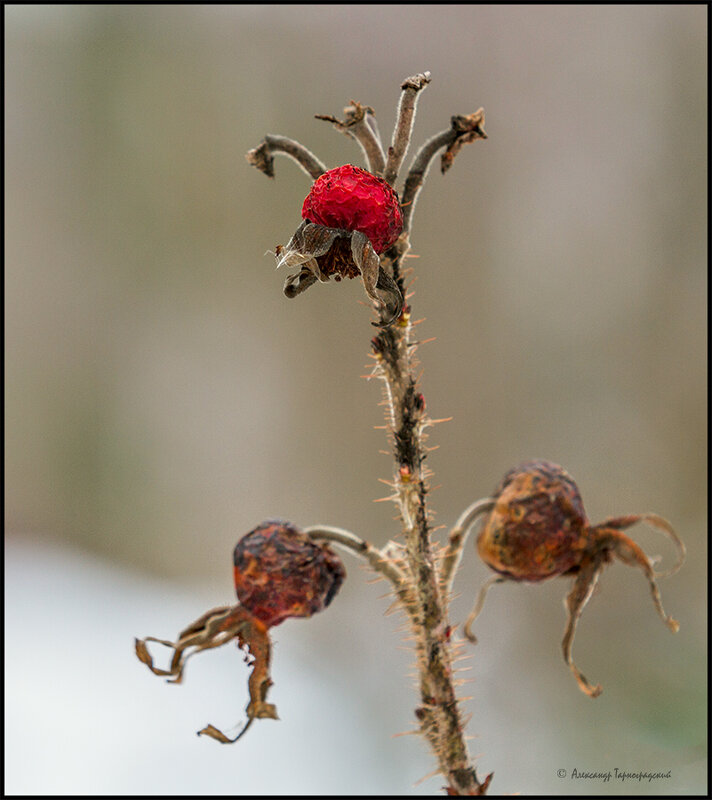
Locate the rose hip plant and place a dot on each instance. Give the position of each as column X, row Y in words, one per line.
column 356, row 224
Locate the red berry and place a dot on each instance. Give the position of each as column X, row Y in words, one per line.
column 280, row 573
column 353, row 199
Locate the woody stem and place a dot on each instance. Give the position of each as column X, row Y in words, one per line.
column 404, row 123
column 360, row 547
column 463, row 130
column 438, row 714
column 360, row 124
column 457, row 539
column 262, row 156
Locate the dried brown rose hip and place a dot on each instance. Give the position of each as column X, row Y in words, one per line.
column 536, row 528
column 281, row 573
column 350, row 216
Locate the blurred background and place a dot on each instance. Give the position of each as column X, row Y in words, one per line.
column 163, row 397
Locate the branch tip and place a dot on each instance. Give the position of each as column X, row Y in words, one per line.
column 463, row 130
column 359, row 123
column 262, row 156
column 410, row 87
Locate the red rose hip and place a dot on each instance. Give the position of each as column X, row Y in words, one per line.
column 353, row 199
column 349, row 217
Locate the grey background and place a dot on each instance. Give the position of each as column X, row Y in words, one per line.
column 163, row 397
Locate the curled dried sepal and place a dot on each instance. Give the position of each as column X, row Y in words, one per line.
column 256, row 639
column 213, row 629
column 465, row 129
column 630, row 553
column 575, row 601
column 611, row 541
column 656, row 521
column 479, row 603
column 262, row 156
column 321, row 253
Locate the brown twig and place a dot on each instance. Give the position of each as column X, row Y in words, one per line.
column 378, row 560
column 463, row 130
column 360, row 124
column 404, row 124
column 457, row 539
column 262, row 156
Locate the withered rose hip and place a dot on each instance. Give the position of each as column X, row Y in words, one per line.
column 350, row 216
column 280, row 573
column 536, row 528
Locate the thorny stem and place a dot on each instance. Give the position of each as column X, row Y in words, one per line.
column 360, row 124
column 262, row 156
column 438, row 714
column 404, row 124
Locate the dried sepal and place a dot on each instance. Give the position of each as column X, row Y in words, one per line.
column 479, row 603
column 210, row 630
column 299, row 282
column 607, row 540
column 308, row 243
column 317, row 251
column 575, row 601
column 656, row 521
column 256, row 640
column 213, row 629
column 630, row 553
column 465, row 129
column 375, row 279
